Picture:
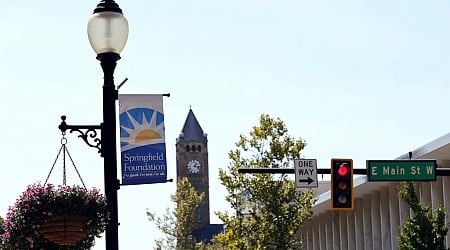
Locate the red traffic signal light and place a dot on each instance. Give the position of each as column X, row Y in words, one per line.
column 343, row 170
column 342, row 184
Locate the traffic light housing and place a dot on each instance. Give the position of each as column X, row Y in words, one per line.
column 342, row 197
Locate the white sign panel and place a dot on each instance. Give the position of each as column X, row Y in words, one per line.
column 306, row 173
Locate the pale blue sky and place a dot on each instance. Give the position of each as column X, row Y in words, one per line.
column 358, row 79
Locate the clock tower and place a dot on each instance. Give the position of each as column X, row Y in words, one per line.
column 192, row 162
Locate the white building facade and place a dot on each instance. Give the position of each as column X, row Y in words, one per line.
column 378, row 214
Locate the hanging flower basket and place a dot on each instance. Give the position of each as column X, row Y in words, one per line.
column 64, row 230
column 49, row 217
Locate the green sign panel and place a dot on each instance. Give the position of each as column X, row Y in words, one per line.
column 401, row 170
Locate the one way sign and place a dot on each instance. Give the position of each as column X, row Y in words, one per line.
column 306, row 173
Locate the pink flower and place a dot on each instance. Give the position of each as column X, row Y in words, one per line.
column 6, row 235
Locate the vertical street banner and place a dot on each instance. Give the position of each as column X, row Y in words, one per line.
column 142, row 139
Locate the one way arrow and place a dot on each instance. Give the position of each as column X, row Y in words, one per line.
column 309, row 180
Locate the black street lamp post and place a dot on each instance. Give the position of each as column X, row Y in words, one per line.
column 108, row 32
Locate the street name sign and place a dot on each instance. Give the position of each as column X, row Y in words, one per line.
column 401, row 170
column 306, row 173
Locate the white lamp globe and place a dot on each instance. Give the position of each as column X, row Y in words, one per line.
column 107, row 32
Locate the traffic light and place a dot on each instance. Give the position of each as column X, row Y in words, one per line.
column 342, row 184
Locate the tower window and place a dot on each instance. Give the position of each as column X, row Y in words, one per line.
column 193, row 148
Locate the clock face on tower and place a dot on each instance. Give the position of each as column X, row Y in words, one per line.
column 193, row 166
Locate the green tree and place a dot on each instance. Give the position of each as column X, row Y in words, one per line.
column 277, row 209
column 177, row 225
column 1, row 226
column 2, row 230
column 425, row 229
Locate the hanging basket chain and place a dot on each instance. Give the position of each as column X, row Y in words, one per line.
column 54, row 163
column 73, row 164
column 65, row 151
column 64, row 160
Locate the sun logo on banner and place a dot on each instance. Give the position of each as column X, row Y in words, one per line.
column 141, row 126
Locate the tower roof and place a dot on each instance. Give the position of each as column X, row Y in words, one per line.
column 192, row 131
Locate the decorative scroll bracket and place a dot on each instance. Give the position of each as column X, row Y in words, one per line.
column 87, row 132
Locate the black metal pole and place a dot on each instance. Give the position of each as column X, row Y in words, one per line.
column 108, row 62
